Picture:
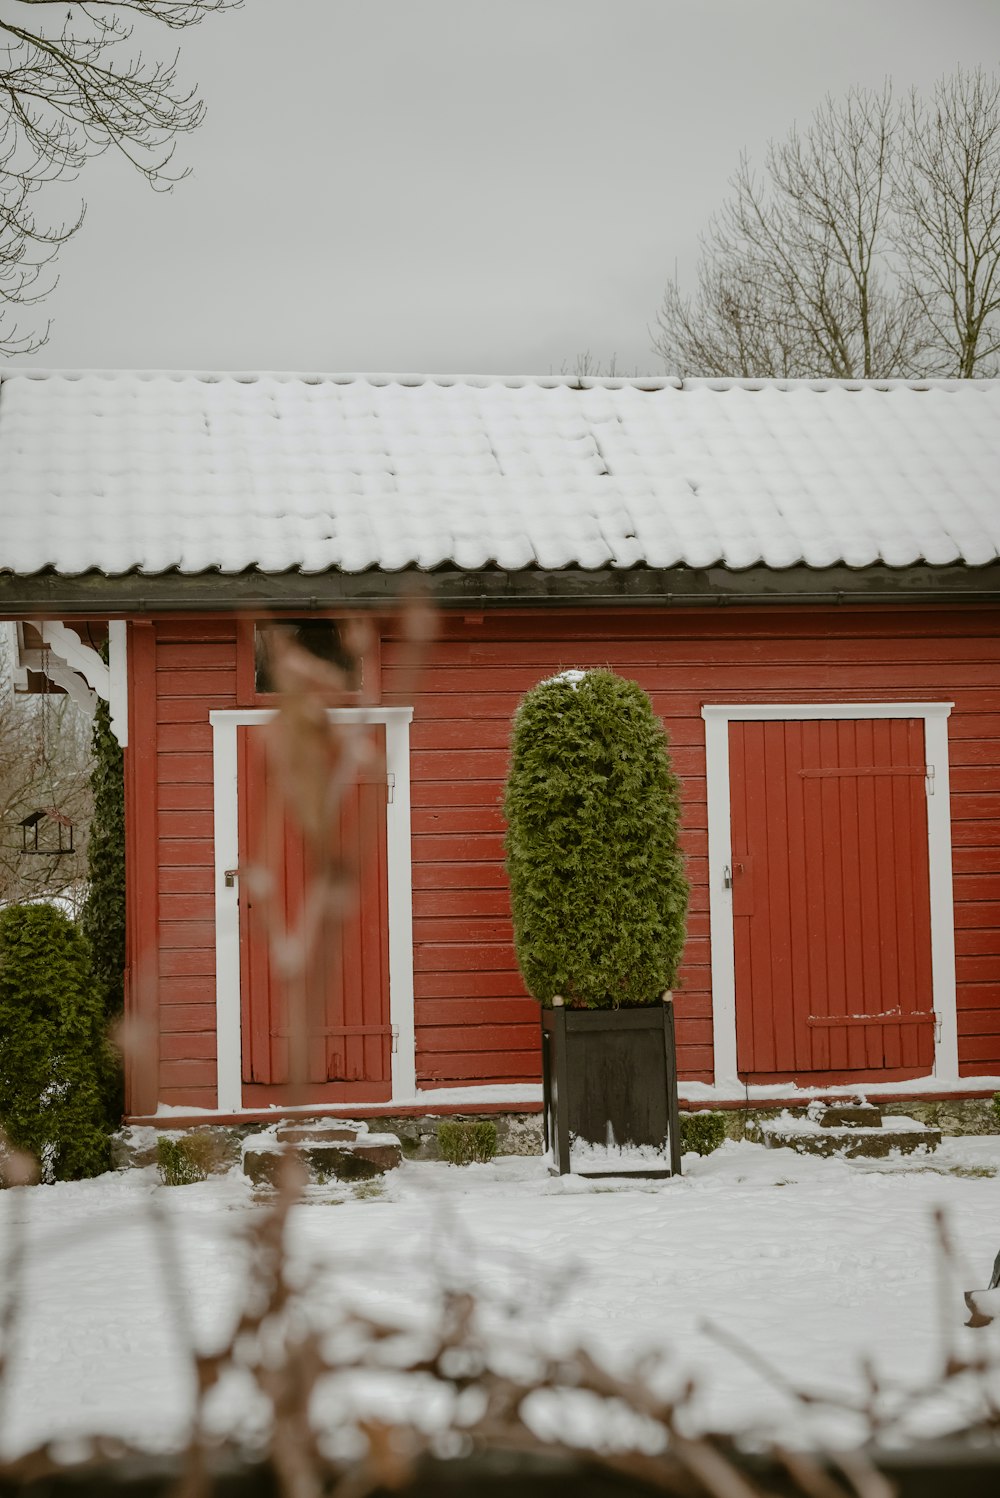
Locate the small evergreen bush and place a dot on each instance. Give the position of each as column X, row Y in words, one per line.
column 702, row 1132
column 183, row 1161
column 597, row 880
column 467, row 1142
column 53, row 1054
column 996, row 1106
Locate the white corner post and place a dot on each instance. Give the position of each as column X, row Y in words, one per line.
column 717, row 719
column 229, row 1039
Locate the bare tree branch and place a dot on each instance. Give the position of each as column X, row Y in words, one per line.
column 948, row 186
column 868, row 247
column 45, row 763
column 69, row 95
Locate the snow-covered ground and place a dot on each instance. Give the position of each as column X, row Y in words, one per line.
column 813, row 1263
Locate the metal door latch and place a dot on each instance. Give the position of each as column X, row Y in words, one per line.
column 727, row 877
column 231, row 877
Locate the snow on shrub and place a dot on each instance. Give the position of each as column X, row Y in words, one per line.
column 597, row 880
column 53, row 1054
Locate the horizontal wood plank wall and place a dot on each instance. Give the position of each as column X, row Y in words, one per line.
column 195, row 672
column 474, row 1020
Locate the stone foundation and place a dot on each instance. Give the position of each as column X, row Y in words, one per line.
column 517, row 1134
column 952, row 1117
column 521, row 1133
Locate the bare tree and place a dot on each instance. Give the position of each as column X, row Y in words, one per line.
column 733, row 326
column 867, row 249
column 45, row 763
column 587, row 366
column 44, row 766
column 948, row 193
column 69, row 94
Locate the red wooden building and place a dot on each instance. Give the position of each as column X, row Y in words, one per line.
column 805, row 577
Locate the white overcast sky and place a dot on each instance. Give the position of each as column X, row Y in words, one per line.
column 460, row 185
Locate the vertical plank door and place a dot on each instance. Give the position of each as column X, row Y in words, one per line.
column 342, row 996
column 831, row 899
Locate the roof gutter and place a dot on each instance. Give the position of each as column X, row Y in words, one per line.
column 48, row 594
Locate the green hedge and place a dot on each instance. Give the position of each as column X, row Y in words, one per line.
column 464, row 1142
column 182, row 1162
column 702, row 1132
column 597, row 880
column 53, row 1054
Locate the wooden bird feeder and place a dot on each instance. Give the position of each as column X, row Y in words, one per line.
column 49, row 843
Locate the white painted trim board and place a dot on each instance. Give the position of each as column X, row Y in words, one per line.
column 225, row 723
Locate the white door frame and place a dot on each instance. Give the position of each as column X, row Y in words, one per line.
column 717, row 720
column 228, row 1011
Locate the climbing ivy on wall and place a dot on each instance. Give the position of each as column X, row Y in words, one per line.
column 103, row 916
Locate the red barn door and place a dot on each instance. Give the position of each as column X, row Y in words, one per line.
column 346, row 983
column 831, row 900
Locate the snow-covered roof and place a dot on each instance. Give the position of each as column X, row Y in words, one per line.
column 182, row 471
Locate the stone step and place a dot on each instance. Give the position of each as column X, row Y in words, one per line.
column 357, row 1159
column 876, row 1141
column 850, row 1116
column 321, row 1132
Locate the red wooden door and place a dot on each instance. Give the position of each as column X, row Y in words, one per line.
column 342, row 996
column 831, row 899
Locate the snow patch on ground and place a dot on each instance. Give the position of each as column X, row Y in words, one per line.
column 792, row 1123
column 814, row 1263
column 733, row 1090
column 589, row 1159
column 504, row 1093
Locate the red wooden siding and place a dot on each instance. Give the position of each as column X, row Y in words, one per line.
column 474, row 1021
column 195, row 672
column 473, row 1018
column 831, row 900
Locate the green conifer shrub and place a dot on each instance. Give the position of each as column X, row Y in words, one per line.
column 52, row 1046
column 467, row 1141
column 183, row 1161
column 702, row 1132
column 598, row 891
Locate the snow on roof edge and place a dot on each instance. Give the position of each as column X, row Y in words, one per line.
column 649, row 382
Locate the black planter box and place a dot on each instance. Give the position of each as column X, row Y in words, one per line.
column 614, row 1067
